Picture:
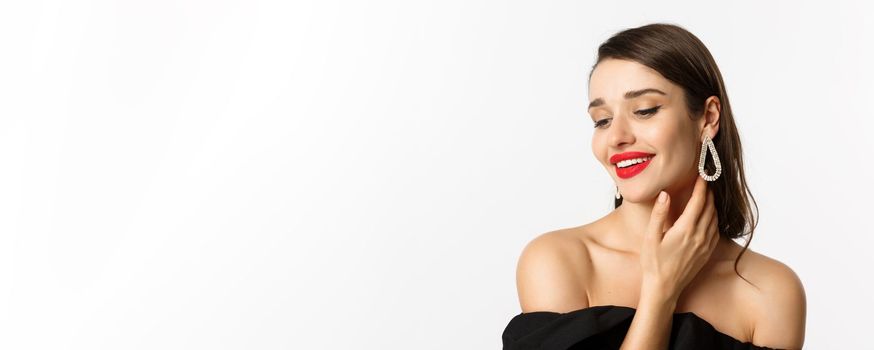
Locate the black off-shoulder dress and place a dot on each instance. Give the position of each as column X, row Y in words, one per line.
column 604, row 327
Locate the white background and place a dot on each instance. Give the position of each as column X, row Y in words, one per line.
column 329, row 175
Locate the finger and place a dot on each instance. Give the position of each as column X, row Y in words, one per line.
column 658, row 216
column 703, row 232
column 715, row 224
column 713, row 229
column 695, row 204
column 703, row 221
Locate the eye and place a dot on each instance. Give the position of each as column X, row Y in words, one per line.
column 644, row 112
column 601, row 122
column 648, row 112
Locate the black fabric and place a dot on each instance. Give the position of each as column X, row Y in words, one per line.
column 604, row 327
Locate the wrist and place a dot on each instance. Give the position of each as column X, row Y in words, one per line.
column 658, row 298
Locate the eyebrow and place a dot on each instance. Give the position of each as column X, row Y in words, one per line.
column 628, row 95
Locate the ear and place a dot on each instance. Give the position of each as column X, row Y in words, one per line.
column 710, row 120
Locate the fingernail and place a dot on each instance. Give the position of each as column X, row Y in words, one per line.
column 662, row 196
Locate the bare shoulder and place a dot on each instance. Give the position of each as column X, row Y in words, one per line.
column 551, row 271
column 779, row 307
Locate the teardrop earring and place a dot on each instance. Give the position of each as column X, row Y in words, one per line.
column 705, row 145
column 617, row 193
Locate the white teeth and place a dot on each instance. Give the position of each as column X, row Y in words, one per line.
column 630, row 162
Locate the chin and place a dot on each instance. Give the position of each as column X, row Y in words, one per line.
column 639, row 197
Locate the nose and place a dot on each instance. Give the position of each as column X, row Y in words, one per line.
column 620, row 133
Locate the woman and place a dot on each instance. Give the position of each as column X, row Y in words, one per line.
column 661, row 270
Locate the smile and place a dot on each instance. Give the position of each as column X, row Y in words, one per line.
column 628, row 168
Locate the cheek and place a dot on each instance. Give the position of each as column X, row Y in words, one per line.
column 667, row 133
column 599, row 148
column 660, row 137
column 666, row 138
column 676, row 145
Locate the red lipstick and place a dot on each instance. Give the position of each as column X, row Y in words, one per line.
column 630, row 171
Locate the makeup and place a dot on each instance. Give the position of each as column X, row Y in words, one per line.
column 629, row 164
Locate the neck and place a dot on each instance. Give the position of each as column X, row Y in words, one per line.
column 633, row 217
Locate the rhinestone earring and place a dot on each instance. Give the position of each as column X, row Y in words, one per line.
column 617, row 193
column 707, row 143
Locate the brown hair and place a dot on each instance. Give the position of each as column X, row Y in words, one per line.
column 682, row 58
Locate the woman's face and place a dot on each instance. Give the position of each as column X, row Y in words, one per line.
column 653, row 122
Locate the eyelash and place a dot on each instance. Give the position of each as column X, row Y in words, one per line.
column 646, row 112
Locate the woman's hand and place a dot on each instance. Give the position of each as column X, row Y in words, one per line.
column 670, row 260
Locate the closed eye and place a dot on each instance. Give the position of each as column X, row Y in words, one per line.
column 601, row 122
column 648, row 112
column 644, row 112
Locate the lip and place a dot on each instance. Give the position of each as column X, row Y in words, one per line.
column 631, row 171
column 616, row 158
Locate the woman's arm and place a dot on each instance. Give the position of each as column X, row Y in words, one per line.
column 550, row 272
column 669, row 261
column 651, row 326
column 781, row 308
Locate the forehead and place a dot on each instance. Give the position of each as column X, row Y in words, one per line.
column 612, row 78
